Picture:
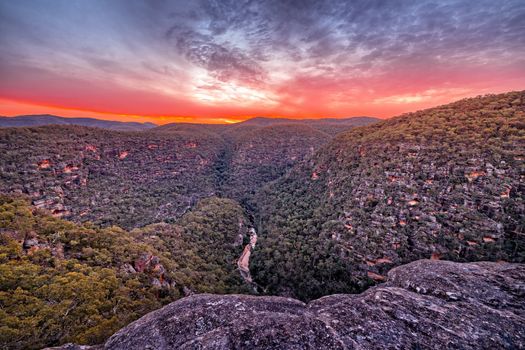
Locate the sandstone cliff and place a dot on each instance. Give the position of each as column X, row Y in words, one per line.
column 423, row 305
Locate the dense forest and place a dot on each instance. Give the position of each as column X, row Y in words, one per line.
column 99, row 227
column 125, row 178
column 81, row 280
column 444, row 183
column 47, row 119
column 132, row 179
column 63, row 282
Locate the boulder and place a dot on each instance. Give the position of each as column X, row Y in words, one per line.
column 30, row 243
column 427, row 304
column 127, row 269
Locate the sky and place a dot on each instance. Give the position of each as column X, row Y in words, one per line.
column 225, row 61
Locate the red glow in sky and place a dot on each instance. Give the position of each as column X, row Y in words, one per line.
column 212, row 62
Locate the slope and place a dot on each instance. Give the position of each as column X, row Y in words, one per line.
column 62, row 282
column 126, row 178
column 444, row 183
column 46, row 119
column 264, row 154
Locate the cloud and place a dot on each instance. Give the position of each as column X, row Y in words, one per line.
column 268, row 56
column 224, row 63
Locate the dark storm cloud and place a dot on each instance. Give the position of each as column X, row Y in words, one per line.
column 223, row 61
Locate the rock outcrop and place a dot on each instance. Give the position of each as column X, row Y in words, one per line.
column 426, row 304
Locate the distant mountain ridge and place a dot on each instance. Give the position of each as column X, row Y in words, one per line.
column 48, row 119
column 331, row 126
column 356, row 121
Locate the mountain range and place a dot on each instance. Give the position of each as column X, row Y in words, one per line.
column 47, row 119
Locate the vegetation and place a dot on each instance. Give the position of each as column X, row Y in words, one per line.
column 107, row 177
column 331, row 216
column 205, row 244
column 263, row 154
column 61, row 282
column 441, row 183
column 66, row 285
column 132, row 179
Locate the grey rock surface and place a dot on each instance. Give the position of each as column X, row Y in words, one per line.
column 426, row 304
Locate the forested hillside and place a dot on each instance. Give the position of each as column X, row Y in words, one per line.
column 331, row 126
column 443, row 183
column 108, row 177
column 301, row 213
column 132, row 179
column 46, row 119
column 61, row 282
column 264, row 154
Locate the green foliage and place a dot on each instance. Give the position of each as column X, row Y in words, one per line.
column 68, row 287
column 129, row 179
column 71, row 285
column 263, row 154
column 205, row 243
column 444, row 182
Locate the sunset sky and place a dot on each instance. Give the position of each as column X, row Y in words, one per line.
column 222, row 61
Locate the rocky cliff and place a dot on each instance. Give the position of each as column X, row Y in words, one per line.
column 423, row 305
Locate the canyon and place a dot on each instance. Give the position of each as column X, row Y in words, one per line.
column 323, row 232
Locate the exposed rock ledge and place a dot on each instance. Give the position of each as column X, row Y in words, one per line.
column 424, row 305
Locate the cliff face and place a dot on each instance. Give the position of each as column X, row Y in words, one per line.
column 423, row 305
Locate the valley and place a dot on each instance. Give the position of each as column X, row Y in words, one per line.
column 132, row 179
column 296, row 209
column 262, row 175
column 444, row 183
